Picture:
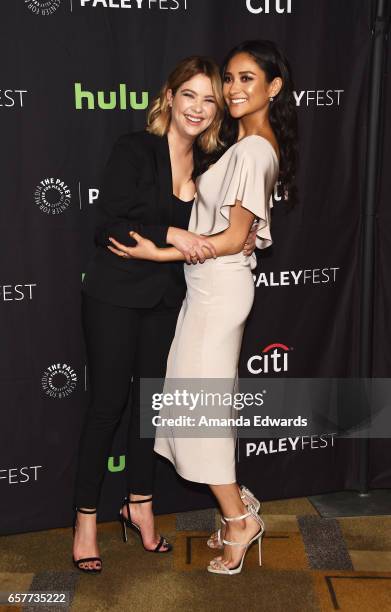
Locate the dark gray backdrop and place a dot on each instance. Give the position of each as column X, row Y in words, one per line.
column 53, row 154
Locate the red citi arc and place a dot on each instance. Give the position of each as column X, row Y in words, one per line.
column 274, row 358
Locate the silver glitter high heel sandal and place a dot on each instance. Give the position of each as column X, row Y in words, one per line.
column 249, row 499
column 217, row 566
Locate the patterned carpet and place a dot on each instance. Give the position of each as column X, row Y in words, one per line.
column 309, row 564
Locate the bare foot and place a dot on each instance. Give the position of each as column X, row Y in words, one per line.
column 85, row 542
column 213, row 541
column 237, row 531
column 142, row 516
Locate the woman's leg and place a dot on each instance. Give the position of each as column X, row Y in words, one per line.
column 241, row 531
column 157, row 328
column 110, row 334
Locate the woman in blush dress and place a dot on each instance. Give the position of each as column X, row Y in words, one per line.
column 232, row 194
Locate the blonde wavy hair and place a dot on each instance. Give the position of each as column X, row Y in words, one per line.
column 159, row 113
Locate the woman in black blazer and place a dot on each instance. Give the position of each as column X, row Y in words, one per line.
column 130, row 307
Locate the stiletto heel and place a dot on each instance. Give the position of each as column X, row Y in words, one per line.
column 260, row 549
column 249, row 499
column 127, row 522
column 217, row 566
column 77, row 562
column 122, row 520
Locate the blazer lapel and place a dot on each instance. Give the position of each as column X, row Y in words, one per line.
column 163, row 164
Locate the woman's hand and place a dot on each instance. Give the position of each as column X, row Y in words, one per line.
column 190, row 244
column 249, row 245
column 145, row 249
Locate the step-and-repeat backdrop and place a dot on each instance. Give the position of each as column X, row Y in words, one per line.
column 75, row 75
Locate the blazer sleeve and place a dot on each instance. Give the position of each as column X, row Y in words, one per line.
column 117, row 195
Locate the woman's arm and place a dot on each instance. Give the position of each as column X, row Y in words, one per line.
column 227, row 242
column 119, row 193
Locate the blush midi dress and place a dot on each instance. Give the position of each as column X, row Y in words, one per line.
column 220, row 295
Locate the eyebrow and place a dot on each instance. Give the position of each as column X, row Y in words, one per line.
column 242, row 72
column 195, row 93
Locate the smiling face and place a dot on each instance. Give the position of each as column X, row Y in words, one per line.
column 193, row 107
column 245, row 88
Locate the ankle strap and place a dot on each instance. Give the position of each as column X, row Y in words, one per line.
column 238, row 518
column 83, row 511
column 137, row 501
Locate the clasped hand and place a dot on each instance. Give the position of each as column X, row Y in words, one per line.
column 191, row 245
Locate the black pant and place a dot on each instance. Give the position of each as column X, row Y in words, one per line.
column 121, row 342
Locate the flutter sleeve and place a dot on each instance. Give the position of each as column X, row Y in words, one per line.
column 250, row 177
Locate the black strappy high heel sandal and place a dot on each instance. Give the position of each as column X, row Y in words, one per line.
column 76, row 563
column 126, row 522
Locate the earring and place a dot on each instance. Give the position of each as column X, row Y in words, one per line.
column 271, row 98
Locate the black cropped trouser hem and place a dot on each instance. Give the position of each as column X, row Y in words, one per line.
column 121, row 343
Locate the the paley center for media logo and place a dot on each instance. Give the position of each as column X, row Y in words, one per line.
column 42, row 7
column 59, row 380
column 52, row 196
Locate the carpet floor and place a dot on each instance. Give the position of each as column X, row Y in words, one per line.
column 309, row 564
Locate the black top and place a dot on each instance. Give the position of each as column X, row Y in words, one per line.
column 180, row 218
column 136, row 194
column 181, row 212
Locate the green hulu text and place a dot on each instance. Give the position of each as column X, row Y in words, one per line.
column 122, row 99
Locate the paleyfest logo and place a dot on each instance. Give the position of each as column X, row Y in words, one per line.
column 52, row 196
column 273, row 358
column 285, row 278
column 59, row 380
column 172, row 5
column 42, row 7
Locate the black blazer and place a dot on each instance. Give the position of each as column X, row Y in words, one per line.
column 136, row 194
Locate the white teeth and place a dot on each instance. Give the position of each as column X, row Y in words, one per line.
column 193, row 119
column 239, row 100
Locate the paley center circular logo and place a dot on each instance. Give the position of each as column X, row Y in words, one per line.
column 42, row 7
column 59, row 380
column 52, row 196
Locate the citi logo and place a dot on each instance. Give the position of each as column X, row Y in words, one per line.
column 273, row 358
column 269, row 6
column 121, row 99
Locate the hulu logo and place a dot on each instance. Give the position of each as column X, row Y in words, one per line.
column 121, row 99
column 116, row 467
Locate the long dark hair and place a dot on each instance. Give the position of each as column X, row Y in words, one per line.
column 282, row 112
